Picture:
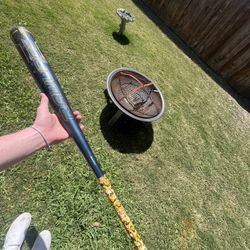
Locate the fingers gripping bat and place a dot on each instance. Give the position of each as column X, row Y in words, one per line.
column 49, row 84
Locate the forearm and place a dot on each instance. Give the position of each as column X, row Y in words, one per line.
column 17, row 146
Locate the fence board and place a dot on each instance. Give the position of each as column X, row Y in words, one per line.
column 192, row 17
column 239, row 62
column 181, row 7
column 228, row 51
column 223, row 30
column 218, row 30
column 208, row 26
column 205, row 18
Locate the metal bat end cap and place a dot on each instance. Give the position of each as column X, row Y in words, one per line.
column 20, row 29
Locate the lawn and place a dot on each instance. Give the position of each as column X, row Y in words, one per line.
column 184, row 180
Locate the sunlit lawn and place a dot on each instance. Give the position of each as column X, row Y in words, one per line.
column 184, row 180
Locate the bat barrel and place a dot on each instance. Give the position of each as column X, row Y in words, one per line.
column 49, row 84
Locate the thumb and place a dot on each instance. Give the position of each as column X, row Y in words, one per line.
column 44, row 102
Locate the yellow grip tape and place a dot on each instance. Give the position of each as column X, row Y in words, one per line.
column 106, row 185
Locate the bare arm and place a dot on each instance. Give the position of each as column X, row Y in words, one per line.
column 17, row 146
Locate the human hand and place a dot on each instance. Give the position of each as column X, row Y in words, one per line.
column 49, row 124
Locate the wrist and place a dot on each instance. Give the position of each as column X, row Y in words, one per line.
column 42, row 136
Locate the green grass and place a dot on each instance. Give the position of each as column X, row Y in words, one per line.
column 188, row 190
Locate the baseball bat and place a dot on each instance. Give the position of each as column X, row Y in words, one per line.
column 49, row 84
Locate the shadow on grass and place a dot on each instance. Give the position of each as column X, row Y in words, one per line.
column 170, row 33
column 31, row 236
column 122, row 39
column 127, row 135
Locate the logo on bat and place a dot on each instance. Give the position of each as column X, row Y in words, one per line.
column 40, row 68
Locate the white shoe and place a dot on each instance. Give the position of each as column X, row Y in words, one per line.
column 16, row 233
column 43, row 241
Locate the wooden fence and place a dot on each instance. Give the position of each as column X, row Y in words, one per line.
column 218, row 30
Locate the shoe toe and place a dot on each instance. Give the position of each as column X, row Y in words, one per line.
column 42, row 241
column 16, row 233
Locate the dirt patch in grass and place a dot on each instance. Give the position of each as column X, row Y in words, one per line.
column 188, row 231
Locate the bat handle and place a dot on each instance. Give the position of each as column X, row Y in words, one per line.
column 106, row 185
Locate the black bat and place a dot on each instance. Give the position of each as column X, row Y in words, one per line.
column 49, row 84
